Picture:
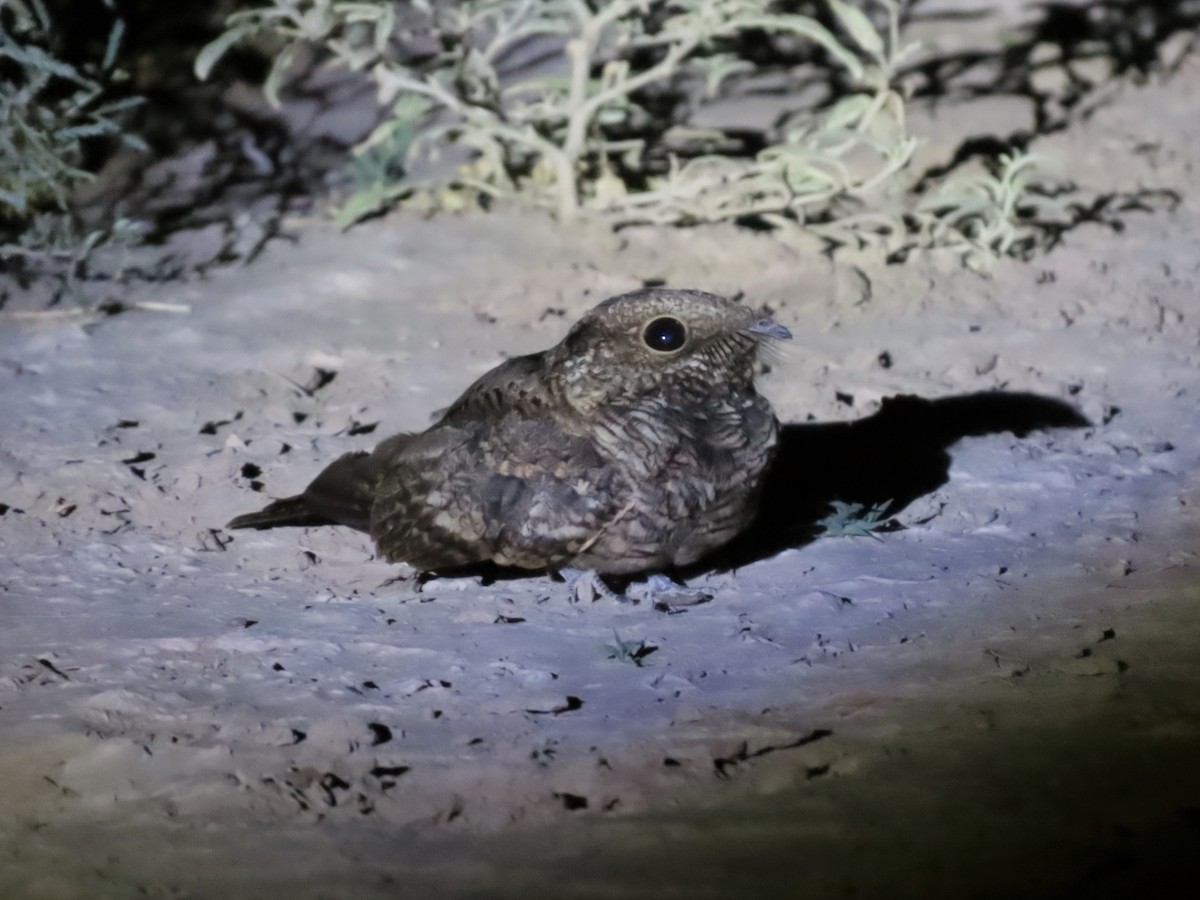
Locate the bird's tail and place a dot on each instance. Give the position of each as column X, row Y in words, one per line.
column 341, row 495
column 288, row 511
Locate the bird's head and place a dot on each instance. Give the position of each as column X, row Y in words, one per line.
column 659, row 341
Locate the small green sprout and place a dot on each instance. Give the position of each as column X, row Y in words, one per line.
column 629, row 651
column 854, row 519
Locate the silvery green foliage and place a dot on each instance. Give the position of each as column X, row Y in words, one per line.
column 1002, row 212
column 1012, row 205
column 854, row 519
column 634, row 652
column 584, row 134
column 48, row 108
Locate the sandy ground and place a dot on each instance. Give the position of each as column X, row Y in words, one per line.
column 1002, row 695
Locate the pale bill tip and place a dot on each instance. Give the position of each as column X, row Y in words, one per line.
column 769, row 328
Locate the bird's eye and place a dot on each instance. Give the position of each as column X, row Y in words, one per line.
column 665, row 334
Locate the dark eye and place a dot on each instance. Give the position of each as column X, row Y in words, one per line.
column 665, row 334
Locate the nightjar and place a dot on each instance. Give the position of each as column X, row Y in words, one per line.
column 636, row 444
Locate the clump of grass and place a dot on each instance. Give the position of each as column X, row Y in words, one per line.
column 49, row 109
column 592, row 106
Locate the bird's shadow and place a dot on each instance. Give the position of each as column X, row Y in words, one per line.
column 887, row 459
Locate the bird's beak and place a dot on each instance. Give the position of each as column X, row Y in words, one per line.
column 769, row 328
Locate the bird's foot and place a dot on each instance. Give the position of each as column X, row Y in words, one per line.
column 586, row 586
column 661, row 592
column 666, row 594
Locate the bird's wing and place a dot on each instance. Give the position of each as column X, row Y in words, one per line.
column 499, row 479
column 514, row 386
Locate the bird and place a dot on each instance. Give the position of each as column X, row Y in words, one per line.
column 637, row 444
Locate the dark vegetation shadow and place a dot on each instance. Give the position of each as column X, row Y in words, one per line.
column 1061, row 56
column 1088, row 45
column 1064, row 58
column 221, row 169
column 892, row 457
column 227, row 161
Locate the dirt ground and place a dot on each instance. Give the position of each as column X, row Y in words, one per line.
column 1000, row 696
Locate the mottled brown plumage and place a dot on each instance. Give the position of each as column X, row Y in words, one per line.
column 638, row 443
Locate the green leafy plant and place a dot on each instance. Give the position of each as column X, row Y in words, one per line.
column 614, row 109
column 854, row 519
column 1009, row 206
column 612, row 129
column 48, row 109
column 1004, row 211
column 634, row 652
